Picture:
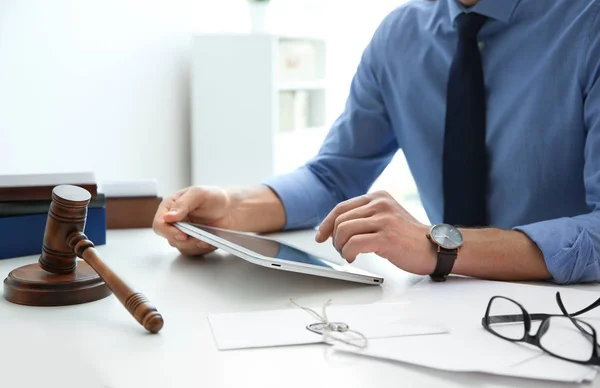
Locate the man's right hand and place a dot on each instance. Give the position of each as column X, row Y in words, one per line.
column 210, row 206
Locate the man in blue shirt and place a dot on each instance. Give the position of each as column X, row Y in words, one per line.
column 523, row 81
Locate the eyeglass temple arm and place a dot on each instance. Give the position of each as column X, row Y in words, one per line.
column 585, row 310
column 513, row 318
column 561, row 305
column 536, row 317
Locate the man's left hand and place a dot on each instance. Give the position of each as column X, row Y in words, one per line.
column 376, row 223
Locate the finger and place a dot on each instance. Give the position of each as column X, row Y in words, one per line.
column 163, row 228
column 192, row 247
column 182, row 206
column 193, row 252
column 365, row 211
column 326, row 228
column 178, row 194
column 190, row 244
column 163, row 208
column 352, row 228
column 357, row 244
column 196, row 251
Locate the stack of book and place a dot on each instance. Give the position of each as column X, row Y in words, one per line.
column 24, row 204
column 130, row 204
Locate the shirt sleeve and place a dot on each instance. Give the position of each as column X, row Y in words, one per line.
column 571, row 246
column 358, row 147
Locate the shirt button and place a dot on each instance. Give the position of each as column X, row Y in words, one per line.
column 481, row 45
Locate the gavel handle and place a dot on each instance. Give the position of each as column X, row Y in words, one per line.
column 136, row 303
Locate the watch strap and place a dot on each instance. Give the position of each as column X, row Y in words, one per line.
column 445, row 262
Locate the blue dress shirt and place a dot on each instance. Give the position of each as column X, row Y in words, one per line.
column 541, row 61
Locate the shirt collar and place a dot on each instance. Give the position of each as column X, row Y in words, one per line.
column 495, row 9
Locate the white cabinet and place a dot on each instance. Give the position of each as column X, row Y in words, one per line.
column 258, row 106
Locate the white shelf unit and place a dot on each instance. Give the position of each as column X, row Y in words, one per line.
column 307, row 85
column 258, row 106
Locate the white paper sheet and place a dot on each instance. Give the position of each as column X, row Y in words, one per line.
column 461, row 302
column 462, row 352
column 288, row 327
column 546, row 367
column 469, row 347
column 474, row 351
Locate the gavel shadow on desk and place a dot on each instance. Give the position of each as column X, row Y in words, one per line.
column 59, row 279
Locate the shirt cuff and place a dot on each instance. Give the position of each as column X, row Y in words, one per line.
column 303, row 196
column 568, row 250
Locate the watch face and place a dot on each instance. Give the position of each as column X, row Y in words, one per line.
column 447, row 236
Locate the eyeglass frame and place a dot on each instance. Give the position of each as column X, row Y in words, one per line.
column 535, row 339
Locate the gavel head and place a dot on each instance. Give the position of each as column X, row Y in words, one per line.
column 68, row 213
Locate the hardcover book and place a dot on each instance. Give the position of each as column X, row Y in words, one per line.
column 131, row 212
column 19, row 208
column 32, row 187
column 24, row 235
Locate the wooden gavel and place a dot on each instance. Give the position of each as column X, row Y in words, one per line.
column 60, row 279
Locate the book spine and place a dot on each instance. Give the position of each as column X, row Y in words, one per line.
column 24, row 235
column 37, row 193
column 19, row 208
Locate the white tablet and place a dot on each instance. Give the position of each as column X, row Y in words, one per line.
column 270, row 253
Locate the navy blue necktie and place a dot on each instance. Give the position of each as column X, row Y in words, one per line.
column 465, row 165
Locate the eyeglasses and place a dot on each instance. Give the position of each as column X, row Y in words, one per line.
column 561, row 336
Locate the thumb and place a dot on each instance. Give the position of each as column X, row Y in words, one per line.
column 185, row 204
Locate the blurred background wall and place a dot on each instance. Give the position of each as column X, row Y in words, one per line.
column 105, row 85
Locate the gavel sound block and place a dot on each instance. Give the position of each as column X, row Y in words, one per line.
column 59, row 279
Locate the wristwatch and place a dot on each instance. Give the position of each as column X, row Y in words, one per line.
column 448, row 240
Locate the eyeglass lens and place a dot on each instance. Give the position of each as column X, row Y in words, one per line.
column 562, row 338
column 506, row 319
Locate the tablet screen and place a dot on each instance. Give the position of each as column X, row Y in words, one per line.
column 265, row 247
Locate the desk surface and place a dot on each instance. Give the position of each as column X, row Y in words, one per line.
column 100, row 342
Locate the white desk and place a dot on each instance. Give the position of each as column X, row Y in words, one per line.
column 107, row 346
